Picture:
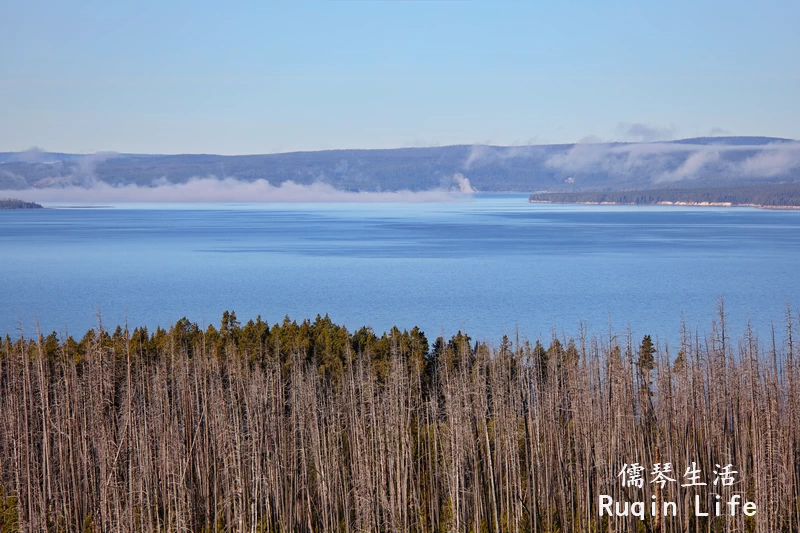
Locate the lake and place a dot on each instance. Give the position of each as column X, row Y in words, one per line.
column 491, row 265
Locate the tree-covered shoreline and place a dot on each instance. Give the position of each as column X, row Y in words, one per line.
column 309, row 427
column 12, row 203
column 770, row 196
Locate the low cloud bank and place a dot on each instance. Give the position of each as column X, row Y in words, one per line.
column 480, row 155
column 658, row 161
column 665, row 162
column 213, row 189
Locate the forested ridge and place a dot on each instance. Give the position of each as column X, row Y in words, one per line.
column 309, row 427
column 727, row 162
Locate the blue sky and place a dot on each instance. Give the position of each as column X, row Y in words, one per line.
column 273, row 77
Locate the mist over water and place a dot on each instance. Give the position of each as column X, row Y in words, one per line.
column 216, row 190
column 489, row 264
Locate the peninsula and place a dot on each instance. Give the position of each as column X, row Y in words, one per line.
column 766, row 196
column 11, row 203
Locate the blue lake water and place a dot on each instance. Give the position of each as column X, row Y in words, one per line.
column 487, row 266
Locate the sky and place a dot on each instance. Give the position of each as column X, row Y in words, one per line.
column 197, row 77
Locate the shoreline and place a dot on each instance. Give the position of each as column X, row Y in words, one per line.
column 679, row 203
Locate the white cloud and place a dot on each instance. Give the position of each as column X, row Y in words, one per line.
column 580, row 157
column 481, row 154
column 769, row 163
column 692, row 166
column 645, row 132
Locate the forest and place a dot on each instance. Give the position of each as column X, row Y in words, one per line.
column 12, row 203
column 764, row 195
column 309, row 427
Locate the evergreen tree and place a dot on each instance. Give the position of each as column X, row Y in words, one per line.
column 646, row 351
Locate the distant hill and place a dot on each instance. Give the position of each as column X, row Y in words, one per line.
column 734, row 141
column 685, row 163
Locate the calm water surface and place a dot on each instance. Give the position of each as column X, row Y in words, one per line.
column 489, row 265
